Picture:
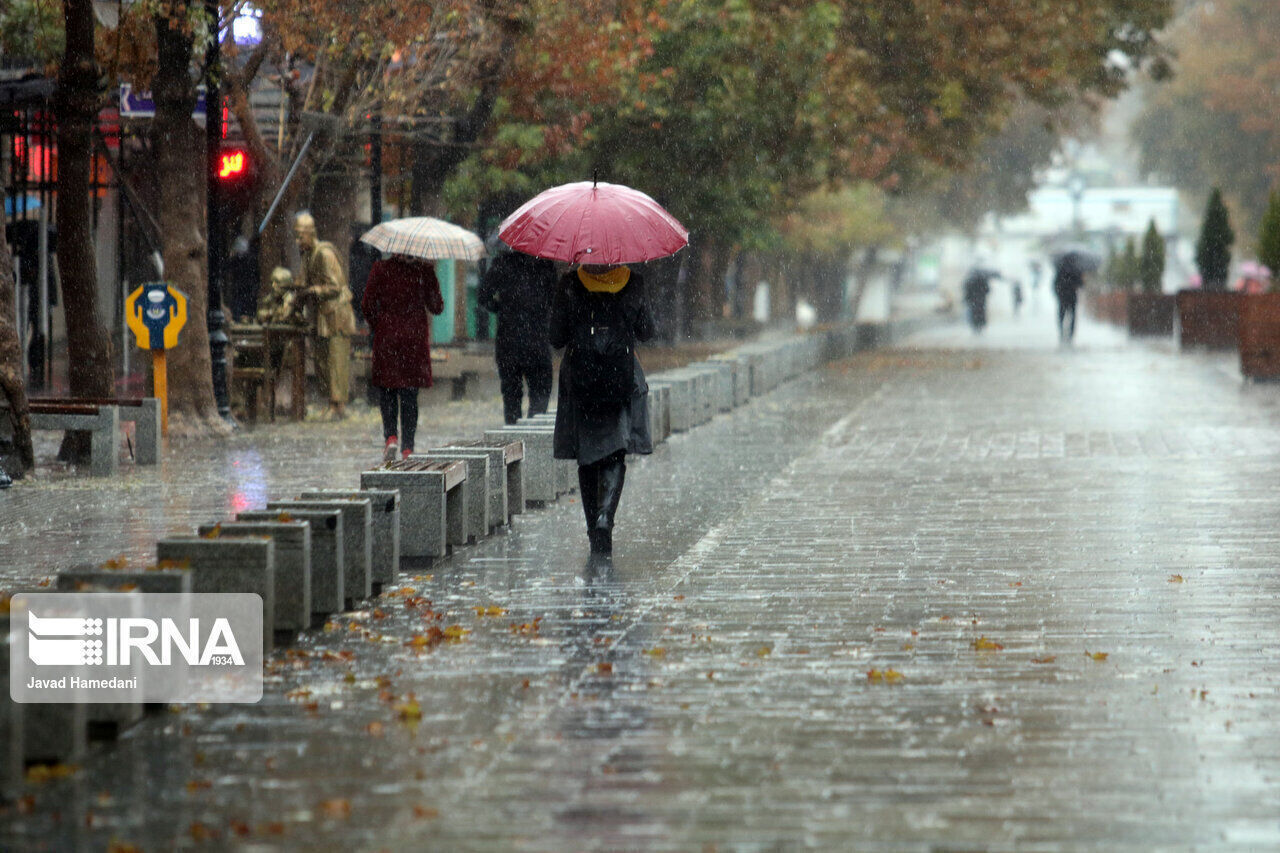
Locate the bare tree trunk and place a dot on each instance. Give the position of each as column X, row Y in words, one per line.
column 88, row 345
column 11, row 385
column 704, row 299
column 333, row 198
column 828, row 286
column 180, row 157
column 861, row 278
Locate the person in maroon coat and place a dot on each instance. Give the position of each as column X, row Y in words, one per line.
column 397, row 296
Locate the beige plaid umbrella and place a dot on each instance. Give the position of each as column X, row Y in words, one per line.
column 424, row 237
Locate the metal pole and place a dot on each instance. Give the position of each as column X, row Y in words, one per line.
column 288, row 179
column 46, row 336
column 215, row 318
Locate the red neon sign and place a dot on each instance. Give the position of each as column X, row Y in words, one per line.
column 231, row 163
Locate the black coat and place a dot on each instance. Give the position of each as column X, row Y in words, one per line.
column 589, row 436
column 518, row 287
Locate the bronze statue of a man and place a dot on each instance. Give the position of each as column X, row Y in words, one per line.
column 324, row 284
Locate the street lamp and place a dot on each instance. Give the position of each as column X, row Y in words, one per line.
column 1076, row 186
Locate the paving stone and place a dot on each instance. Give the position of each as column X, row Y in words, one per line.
column 974, row 513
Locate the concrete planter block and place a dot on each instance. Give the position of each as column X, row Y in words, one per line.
column 705, row 380
column 229, row 565
column 659, row 416
column 506, row 470
column 680, row 400
column 328, row 562
column 357, row 541
column 107, row 720
column 433, row 505
column 539, row 464
column 51, row 733
column 741, row 376
column 89, row 578
column 723, row 383
column 292, row 562
column 385, row 529
column 566, row 469
column 478, row 479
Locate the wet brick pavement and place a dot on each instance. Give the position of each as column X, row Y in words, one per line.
column 970, row 594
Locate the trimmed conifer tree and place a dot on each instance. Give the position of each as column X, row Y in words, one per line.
column 1151, row 266
column 1129, row 265
column 1269, row 240
column 1213, row 249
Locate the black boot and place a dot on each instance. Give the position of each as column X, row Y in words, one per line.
column 612, row 474
column 5, row 480
column 588, row 488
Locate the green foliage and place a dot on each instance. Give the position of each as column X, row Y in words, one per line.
column 1269, row 239
column 1151, row 264
column 31, row 30
column 1127, row 269
column 828, row 222
column 1218, row 122
column 1213, row 249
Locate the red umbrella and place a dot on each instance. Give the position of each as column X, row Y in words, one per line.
column 593, row 223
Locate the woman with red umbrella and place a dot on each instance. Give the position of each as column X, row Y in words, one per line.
column 599, row 313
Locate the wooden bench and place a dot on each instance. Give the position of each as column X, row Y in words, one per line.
column 434, row 497
column 142, row 412
column 459, row 370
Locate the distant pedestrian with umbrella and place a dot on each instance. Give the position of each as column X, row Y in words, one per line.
column 977, row 286
column 400, row 293
column 1068, row 279
column 518, row 288
column 599, row 313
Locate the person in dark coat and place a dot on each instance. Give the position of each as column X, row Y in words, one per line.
column 397, row 296
column 977, row 285
column 598, row 434
column 1068, row 278
column 517, row 287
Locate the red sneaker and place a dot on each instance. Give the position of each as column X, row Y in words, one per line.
column 392, row 449
column 404, row 454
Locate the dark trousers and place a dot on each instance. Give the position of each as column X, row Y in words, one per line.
column 400, row 405
column 1066, row 319
column 515, row 368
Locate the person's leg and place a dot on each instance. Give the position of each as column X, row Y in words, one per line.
column 320, row 359
column 388, row 403
column 509, row 380
column 539, row 383
column 408, row 418
column 588, row 489
column 339, row 374
column 613, row 472
column 1062, row 316
column 1071, row 320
